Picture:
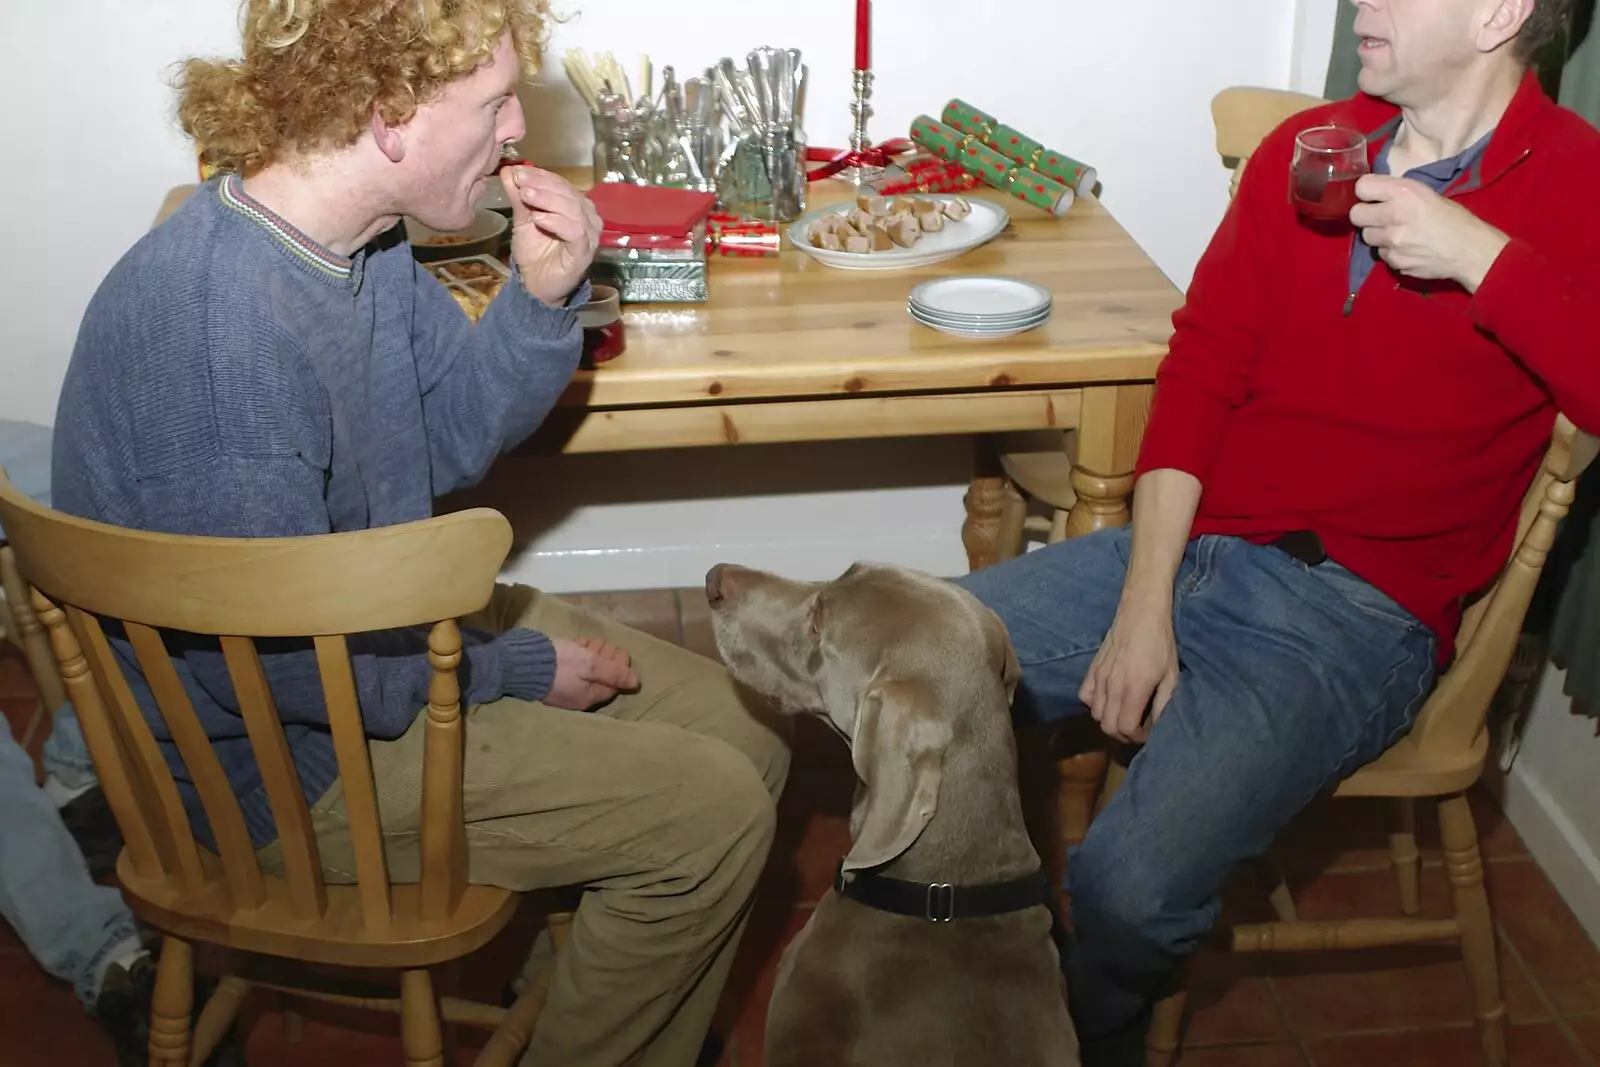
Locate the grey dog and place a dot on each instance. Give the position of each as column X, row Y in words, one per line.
column 934, row 947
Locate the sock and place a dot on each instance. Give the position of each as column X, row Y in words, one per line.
column 61, row 795
column 124, row 955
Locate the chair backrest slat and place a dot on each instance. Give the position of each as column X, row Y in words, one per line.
column 308, row 898
column 216, row 795
column 124, row 793
column 163, row 806
column 444, row 845
column 1243, row 115
column 355, row 773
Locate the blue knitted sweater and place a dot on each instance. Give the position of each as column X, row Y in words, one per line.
column 234, row 378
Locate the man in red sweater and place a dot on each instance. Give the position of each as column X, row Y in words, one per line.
column 1341, row 437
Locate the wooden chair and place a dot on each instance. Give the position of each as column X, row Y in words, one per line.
column 1038, row 466
column 27, row 444
column 1440, row 759
column 21, row 628
column 238, row 590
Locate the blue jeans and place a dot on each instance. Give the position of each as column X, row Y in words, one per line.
column 72, row 926
column 1291, row 677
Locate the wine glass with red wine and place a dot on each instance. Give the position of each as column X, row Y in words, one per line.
column 1328, row 160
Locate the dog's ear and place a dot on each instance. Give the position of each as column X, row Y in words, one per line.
column 898, row 751
column 1001, row 652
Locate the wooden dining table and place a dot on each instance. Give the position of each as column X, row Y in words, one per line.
column 787, row 349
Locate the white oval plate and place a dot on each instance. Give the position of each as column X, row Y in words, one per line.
column 967, row 327
column 977, row 321
column 1006, row 328
column 983, row 225
column 978, row 335
column 984, row 296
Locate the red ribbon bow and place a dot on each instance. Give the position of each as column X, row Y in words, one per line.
column 836, row 159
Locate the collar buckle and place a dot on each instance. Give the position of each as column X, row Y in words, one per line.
column 941, row 903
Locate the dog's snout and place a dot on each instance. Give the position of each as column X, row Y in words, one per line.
column 719, row 584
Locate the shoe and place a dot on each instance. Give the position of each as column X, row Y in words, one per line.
column 122, row 1010
column 90, row 822
column 123, row 1013
column 1121, row 1048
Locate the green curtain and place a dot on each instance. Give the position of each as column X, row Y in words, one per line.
column 1344, row 64
column 1568, row 601
column 1580, row 72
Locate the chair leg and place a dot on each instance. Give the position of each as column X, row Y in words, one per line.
column 1276, row 884
column 420, row 1039
column 294, row 1024
column 1166, row 1027
column 511, row 1037
column 1465, row 866
column 447, row 983
column 1403, row 852
column 1010, row 541
column 172, row 1004
column 1058, row 525
column 221, row 1009
column 1081, row 776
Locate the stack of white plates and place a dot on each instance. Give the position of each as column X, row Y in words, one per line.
column 980, row 305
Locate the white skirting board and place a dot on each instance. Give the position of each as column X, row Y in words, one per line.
column 684, row 566
column 1552, row 797
column 1556, row 844
column 660, row 519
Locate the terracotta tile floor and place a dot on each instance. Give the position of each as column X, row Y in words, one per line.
column 1399, row 1006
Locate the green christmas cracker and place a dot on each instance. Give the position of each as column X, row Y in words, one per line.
column 1018, row 147
column 995, row 169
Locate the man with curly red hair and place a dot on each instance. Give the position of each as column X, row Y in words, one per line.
column 271, row 361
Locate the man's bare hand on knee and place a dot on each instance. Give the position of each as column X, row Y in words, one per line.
column 1135, row 670
column 589, row 672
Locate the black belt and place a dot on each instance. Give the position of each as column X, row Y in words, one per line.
column 941, row 902
column 1303, row 545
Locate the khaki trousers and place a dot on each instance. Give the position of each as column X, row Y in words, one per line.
column 662, row 803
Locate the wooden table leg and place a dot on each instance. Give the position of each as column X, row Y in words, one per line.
column 1109, row 433
column 1107, row 446
column 985, row 501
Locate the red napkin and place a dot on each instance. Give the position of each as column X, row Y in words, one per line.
column 650, row 209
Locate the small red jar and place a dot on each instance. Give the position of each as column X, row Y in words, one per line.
column 601, row 319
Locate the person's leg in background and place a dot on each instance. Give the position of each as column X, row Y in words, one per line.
column 72, row 786
column 78, row 931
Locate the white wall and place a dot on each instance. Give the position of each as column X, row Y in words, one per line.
column 91, row 149
column 1552, row 797
column 1313, row 44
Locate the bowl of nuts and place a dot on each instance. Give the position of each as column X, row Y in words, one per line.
column 482, row 238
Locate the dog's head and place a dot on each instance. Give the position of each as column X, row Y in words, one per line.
column 890, row 658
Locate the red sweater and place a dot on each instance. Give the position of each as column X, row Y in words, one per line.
column 1405, row 428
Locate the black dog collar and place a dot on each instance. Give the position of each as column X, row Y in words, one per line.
column 941, row 902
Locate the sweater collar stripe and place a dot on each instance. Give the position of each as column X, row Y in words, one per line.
column 231, row 191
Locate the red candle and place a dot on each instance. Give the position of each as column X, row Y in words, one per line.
column 863, row 34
